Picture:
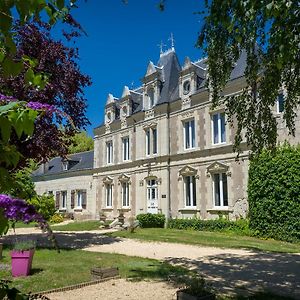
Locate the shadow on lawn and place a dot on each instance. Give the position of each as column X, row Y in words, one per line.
column 276, row 272
column 64, row 240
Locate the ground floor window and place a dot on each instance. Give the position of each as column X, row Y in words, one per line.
column 108, row 195
column 125, row 194
column 220, row 189
column 64, row 199
column 190, row 191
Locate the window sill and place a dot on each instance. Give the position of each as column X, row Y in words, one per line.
column 107, row 209
column 219, row 144
column 192, row 208
column 124, row 209
column 216, row 209
column 63, row 209
column 78, row 209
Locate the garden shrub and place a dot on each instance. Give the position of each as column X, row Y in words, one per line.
column 44, row 205
column 151, row 220
column 221, row 224
column 56, row 218
column 274, row 193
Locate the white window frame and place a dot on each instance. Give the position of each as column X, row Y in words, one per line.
column 152, row 186
column 65, row 165
column 151, row 141
column 125, row 194
column 64, row 197
column 192, row 189
column 125, row 148
column 277, row 103
column 219, row 128
column 108, row 195
column 109, row 152
column 221, row 189
column 151, row 100
column 192, row 138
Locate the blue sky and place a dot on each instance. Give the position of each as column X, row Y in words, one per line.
column 123, row 38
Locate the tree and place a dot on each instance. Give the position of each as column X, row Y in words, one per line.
column 269, row 32
column 81, row 142
column 64, row 90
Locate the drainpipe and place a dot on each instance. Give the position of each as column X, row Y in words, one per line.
column 168, row 170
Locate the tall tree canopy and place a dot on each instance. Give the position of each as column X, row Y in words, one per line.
column 81, row 142
column 269, row 32
column 63, row 89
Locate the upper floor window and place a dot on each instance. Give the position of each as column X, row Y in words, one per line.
column 190, row 191
column 151, row 141
column 109, row 152
column 108, row 195
column 280, row 103
column 125, row 148
column 189, row 134
column 65, row 165
column 218, row 128
column 220, row 190
column 125, row 194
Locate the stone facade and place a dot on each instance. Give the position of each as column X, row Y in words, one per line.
column 162, row 149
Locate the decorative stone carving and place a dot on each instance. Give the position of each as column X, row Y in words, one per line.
column 217, row 167
column 149, row 114
column 186, row 103
column 123, row 123
column 187, row 171
column 124, row 178
column 149, row 125
column 187, row 115
column 141, row 182
column 107, row 180
column 107, row 128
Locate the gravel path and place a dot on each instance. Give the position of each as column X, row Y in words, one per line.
column 119, row 289
column 229, row 270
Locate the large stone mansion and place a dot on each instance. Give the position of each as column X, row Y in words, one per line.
column 161, row 149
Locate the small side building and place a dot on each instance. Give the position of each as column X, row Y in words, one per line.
column 70, row 180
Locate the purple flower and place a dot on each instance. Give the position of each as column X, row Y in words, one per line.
column 41, row 106
column 18, row 210
column 4, row 98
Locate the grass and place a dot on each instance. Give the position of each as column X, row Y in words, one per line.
column 24, row 225
column 206, row 238
column 78, row 226
column 53, row 270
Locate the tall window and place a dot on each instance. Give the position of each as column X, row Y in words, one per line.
column 109, row 152
column 151, row 97
column 220, row 189
column 151, row 141
column 108, row 196
column 218, row 128
column 125, row 146
column 151, row 189
column 79, row 198
column 190, row 191
column 64, row 199
column 189, row 134
column 280, row 103
column 125, row 194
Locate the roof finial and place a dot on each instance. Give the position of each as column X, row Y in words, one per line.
column 161, row 47
column 171, row 38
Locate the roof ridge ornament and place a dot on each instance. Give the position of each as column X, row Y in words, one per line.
column 126, row 91
column 171, row 38
column 187, row 63
column 110, row 99
column 151, row 68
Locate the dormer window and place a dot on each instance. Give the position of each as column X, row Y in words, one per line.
column 186, row 87
column 151, row 97
column 65, row 165
column 109, row 117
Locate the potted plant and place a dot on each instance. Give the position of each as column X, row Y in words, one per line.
column 195, row 288
column 21, row 258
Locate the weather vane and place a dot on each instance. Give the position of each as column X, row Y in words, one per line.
column 171, row 38
column 161, row 46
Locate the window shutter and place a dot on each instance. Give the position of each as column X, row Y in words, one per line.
column 72, row 199
column 83, row 204
column 57, row 200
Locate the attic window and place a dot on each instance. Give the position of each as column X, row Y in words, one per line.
column 65, row 165
column 151, row 97
column 186, row 87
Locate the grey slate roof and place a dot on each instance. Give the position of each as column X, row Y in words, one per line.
column 77, row 162
column 168, row 66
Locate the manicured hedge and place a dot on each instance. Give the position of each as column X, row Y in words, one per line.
column 274, row 193
column 151, row 220
column 240, row 226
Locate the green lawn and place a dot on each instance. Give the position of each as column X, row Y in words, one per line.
column 78, row 226
column 206, row 238
column 54, row 270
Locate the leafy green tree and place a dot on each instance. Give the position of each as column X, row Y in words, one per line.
column 269, row 32
column 81, row 142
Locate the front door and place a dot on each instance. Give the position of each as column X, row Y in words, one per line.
column 152, row 202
